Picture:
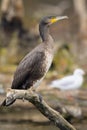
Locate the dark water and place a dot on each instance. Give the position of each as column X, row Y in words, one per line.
column 25, row 127
column 22, row 126
column 29, row 119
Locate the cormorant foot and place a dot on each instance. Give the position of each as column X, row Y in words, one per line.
column 33, row 89
column 40, row 97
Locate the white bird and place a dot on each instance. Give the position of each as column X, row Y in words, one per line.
column 71, row 82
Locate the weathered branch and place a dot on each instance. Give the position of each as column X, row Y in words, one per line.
column 41, row 105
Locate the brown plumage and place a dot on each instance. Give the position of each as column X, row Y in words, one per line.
column 33, row 68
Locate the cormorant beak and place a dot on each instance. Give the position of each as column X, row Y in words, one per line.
column 53, row 20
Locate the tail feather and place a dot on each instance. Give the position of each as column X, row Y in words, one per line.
column 4, row 103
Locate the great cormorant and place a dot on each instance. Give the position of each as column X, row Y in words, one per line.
column 34, row 66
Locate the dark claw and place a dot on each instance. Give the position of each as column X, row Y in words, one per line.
column 40, row 97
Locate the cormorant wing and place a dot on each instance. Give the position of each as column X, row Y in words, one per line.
column 28, row 70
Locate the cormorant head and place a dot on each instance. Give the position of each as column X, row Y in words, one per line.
column 46, row 22
column 52, row 19
column 79, row 72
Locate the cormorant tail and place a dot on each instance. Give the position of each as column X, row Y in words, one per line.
column 4, row 103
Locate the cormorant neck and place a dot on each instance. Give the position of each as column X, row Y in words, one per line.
column 44, row 32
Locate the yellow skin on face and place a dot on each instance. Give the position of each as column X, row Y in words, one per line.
column 53, row 20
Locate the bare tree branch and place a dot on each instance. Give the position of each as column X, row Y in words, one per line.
column 41, row 105
column 80, row 7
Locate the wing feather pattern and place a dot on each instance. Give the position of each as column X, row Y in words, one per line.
column 29, row 70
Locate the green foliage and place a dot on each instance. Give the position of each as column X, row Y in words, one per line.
column 63, row 61
column 7, row 68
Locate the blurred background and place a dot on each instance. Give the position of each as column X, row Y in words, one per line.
column 19, row 34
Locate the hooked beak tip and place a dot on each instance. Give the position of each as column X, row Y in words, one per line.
column 62, row 17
